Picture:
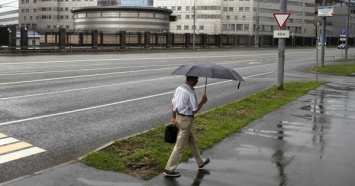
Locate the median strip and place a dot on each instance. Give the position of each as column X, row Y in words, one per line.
column 145, row 155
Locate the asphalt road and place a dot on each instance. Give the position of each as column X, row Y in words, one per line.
column 56, row 108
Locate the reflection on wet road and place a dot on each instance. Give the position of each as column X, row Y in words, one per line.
column 309, row 141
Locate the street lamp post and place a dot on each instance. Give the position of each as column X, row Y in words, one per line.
column 194, row 27
column 257, row 26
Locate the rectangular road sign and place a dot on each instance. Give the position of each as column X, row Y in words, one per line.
column 342, row 39
column 325, row 11
column 342, row 35
column 281, row 33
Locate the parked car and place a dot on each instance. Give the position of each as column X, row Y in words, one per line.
column 343, row 46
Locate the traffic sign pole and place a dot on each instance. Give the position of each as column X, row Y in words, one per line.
column 281, row 52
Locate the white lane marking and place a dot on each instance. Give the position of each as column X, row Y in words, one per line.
column 91, row 75
column 2, row 135
column 92, row 69
column 20, row 154
column 6, row 141
column 156, row 58
column 111, row 104
column 87, row 88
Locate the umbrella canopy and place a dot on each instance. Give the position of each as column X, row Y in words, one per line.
column 208, row 70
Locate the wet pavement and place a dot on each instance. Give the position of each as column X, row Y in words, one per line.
column 309, row 141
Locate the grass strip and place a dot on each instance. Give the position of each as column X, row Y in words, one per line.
column 145, row 155
column 345, row 69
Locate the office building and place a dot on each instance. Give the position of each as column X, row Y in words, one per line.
column 9, row 12
column 239, row 16
column 49, row 14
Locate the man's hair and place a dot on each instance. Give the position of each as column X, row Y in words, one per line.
column 188, row 78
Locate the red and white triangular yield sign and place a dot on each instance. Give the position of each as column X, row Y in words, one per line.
column 281, row 18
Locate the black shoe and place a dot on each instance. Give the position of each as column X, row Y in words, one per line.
column 206, row 162
column 172, row 173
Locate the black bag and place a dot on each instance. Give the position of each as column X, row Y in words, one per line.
column 170, row 133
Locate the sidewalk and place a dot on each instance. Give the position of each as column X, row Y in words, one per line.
column 309, row 141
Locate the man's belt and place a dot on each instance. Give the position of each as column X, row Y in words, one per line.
column 191, row 116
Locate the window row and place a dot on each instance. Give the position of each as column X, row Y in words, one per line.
column 200, row 16
column 45, row 17
column 35, row 1
column 191, row 8
column 30, row 26
column 231, row 9
column 228, row 17
column 187, row 27
column 235, row 27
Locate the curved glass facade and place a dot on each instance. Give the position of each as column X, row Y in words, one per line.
column 116, row 19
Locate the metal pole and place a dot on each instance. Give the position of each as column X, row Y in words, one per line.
column 281, row 52
column 323, row 36
column 347, row 31
column 257, row 26
column 317, row 37
column 194, row 27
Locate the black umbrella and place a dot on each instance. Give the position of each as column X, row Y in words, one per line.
column 208, row 70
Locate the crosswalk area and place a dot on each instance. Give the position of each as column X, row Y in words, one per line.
column 12, row 149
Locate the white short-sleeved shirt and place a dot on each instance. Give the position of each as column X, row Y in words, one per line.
column 184, row 101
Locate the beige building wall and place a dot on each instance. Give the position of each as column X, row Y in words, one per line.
column 208, row 15
column 49, row 14
column 239, row 16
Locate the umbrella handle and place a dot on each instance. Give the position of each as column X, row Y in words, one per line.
column 205, row 85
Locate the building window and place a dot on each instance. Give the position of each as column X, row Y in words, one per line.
column 230, row 9
column 224, row 27
column 246, row 27
column 244, row 18
column 178, row 8
column 173, row 8
column 178, row 27
column 241, row 9
column 247, row 9
column 236, row 17
column 225, row 9
column 228, row 17
column 186, row 27
column 202, row 27
column 187, row 8
column 34, row 1
column 187, row 17
column 239, row 27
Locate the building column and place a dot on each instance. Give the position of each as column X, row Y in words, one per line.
column 123, row 35
column 220, row 40
column 62, row 38
column 187, row 40
column 12, row 37
column 94, row 39
column 24, row 38
column 235, row 40
column 169, row 39
column 81, row 38
column 146, row 39
column 101, row 38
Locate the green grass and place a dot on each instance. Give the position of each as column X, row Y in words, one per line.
column 336, row 69
column 145, row 155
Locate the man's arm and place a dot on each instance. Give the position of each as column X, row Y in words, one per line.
column 173, row 115
column 203, row 101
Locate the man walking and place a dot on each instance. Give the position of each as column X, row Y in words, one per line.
column 184, row 107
